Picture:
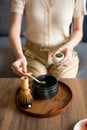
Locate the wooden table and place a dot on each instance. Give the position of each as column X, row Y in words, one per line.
column 11, row 118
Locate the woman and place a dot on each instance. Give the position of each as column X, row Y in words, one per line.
column 47, row 32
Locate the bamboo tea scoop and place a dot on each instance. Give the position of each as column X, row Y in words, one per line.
column 41, row 82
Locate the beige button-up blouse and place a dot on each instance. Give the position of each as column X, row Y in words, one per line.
column 48, row 21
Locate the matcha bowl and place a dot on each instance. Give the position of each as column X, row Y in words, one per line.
column 47, row 90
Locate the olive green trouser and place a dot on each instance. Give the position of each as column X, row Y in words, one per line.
column 40, row 61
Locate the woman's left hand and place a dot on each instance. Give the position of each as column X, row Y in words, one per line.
column 66, row 50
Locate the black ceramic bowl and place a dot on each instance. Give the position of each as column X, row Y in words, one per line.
column 44, row 91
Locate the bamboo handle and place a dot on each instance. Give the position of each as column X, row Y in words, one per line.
column 34, row 78
column 24, row 83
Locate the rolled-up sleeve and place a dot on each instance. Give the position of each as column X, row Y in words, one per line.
column 17, row 6
column 80, row 8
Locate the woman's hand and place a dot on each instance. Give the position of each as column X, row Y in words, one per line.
column 20, row 66
column 66, row 50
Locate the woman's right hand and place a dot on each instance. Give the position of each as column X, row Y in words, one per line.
column 20, row 66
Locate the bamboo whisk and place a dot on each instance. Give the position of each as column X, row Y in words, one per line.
column 25, row 98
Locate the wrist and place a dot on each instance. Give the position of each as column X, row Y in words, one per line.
column 20, row 56
column 69, row 46
column 19, row 53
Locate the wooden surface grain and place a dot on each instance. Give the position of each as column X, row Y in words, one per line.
column 12, row 118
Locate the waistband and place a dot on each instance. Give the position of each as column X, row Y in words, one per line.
column 38, row 47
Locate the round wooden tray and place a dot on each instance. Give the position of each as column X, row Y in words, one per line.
column 52, row 106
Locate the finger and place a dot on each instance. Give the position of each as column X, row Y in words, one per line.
column 15, row 65
column 15, row 71
column 66, row 63
column 20, row 67
column 24, row 68
column 61, row 49
column 66, row 58
column 18, row 71
column 28, row 74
